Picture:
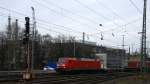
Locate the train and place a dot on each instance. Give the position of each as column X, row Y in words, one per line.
column 78, row 64
column 67, row 64
column 135, row 65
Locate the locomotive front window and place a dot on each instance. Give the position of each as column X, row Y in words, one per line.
column 61, row 60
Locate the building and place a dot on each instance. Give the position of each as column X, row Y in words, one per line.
column 116, row 58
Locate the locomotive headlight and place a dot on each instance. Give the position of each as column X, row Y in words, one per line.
column 63, row 65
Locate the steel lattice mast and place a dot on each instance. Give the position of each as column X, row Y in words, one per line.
column 143, row 40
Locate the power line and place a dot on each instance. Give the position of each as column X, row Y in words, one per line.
column 5, row 15
column 106, row 7
column 137, row 9
column 13, row 11
column 135, row 6
column 48, row 22
column 101, row 15
column 40, row 20
column 95, row 12
column 113, row 12
column 60, row 28
column 45, row 22
column 47, row 26
column 68, row 11
column 129, row 23
column 61, row 14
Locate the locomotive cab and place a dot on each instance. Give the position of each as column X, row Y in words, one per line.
column 63, row 64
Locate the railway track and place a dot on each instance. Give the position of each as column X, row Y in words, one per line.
column 81, row 78
column 70, row 78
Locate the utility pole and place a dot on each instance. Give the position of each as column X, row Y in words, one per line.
column 129, row 50
column 9, row 35
column 74, row 48
column 15, row 38
column 132, row 49
column 143, row 40
column 9, row 32
column 83, row 41
column 123, row 42
column 124, row 59
column 33, row 37
column 16, row 30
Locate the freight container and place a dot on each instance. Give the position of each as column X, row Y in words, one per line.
column 103, row 57
column 133, row 64
column 133, row 58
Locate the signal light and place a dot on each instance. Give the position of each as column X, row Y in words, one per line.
column 27, row 30
column 27, row 25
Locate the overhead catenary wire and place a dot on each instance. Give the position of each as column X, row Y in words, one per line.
column 28, row 15
column 59, row 13
column 129, row 23
column 108, row 8
column 106, row 40
column 2, row 14
column 56, row 24
column 68, row 11
column 82, row 16
column 40, row 20
column 94, row 11
column 43, row 21
column 113, row 12
column 46, row 28
column 41, row 24
column 134, row 5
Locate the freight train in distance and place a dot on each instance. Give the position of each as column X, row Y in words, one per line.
column 67, row 64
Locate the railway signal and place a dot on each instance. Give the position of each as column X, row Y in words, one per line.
column 27, row 30
column 27, row 75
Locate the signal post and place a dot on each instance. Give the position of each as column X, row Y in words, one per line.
column 27, row 75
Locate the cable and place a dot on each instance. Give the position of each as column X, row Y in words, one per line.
column 5, row 15
column 55, row 25
column 95, row 12
column 13, row 11
column 138, row 9
column 46, row 22
column 2, row 14
column 68, row 11
column 40, row 20
column 43, row 24
column 60, row 28
column 135, row 6
column 60, row 13
column 113, row 12
column 99, row 14
column 129, row 23
column 106, row 7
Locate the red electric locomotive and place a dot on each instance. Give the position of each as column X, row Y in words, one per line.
column 74, row 64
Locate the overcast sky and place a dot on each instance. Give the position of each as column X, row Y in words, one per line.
column 72, row 17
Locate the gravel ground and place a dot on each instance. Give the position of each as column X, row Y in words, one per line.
column 140, row 79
